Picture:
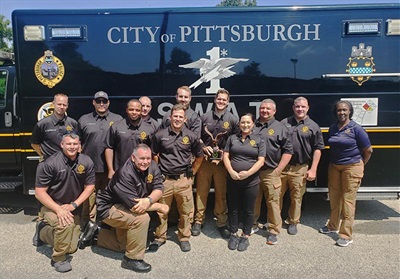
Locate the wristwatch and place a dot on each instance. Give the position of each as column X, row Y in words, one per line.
column 74, row 205
column 150, row 200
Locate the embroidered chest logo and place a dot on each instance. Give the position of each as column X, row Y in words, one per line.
column 143, row 135
column 348, row 131
column 68, row 128
column 185, row 140
column 112, row 122
column 305, row 129
column 252, row 143
column 150, row 178
column 226, row 125
column 271, row 132
column 80, row 169
column 49, row 69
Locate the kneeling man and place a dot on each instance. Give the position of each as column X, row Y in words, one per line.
column 63, row 182
column 123, row 205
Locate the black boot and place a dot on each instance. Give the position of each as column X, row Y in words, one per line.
column 89, row 235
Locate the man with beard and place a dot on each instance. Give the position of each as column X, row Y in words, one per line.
column 218, row 125
column 184, row 96
column 124, row 135
column 93, row 128
column 279, row 151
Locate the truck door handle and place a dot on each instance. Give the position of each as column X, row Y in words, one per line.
column 8, row 119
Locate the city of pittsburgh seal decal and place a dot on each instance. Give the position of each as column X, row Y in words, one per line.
column 361, row 63
column 49, row 69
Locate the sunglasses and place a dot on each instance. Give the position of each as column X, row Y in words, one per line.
column 99, row 101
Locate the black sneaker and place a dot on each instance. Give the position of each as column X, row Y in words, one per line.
column 233, row 242
column 225, row 233
column 344, row 242
column 243, row 244
column 68, row 259
column 63, row 266
column 154, row 245
column 135, row 265
column 185, row 246
column 196, row 229
column 292, row 229
column 88, row 235
column 272, row 239
column 326, row 230
column 36, row 237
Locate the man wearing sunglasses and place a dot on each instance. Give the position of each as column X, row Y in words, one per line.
column 93, row 128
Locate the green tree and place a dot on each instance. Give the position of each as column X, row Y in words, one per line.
column 179, row 57
column 5, row 34
column 252, row 70
column 237, row 3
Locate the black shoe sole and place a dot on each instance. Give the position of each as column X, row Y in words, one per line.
column 36, row 241
column 154, row 247
column 196, row 233
column 123, row 265
column 87, row 236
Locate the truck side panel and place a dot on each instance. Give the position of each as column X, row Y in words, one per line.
column 279, row 53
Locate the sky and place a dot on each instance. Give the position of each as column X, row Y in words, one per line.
column 7, row 6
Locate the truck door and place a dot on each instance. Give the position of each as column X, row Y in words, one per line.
column 10, row 151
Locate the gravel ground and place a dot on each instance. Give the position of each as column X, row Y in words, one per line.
column 375, row 252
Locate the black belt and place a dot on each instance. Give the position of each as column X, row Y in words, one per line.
column 175, row 176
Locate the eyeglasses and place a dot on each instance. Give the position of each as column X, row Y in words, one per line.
column 99, row 101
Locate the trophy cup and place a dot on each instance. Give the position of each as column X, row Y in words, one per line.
column 217, row 153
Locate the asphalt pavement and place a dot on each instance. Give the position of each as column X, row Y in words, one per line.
column 375, row 252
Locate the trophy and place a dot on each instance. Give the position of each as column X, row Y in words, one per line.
column 217, row 153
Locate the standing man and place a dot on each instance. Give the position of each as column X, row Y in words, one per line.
column 146, row 109
column 93, row 128
column 184, row 96
column 123, row 205
column 123, row 136
column 63, row 182
column 47, row 133
column 218, row 125
column 173, row 149
column 279, row 151
column 307, row 140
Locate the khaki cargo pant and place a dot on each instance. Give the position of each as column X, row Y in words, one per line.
column 181, row 191
column 64, row 240
column 207, row 173
column 294, row 178
column 343, row 184
column 128, row 232
column 270, row 187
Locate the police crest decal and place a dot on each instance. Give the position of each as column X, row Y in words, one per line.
column 49, row 69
